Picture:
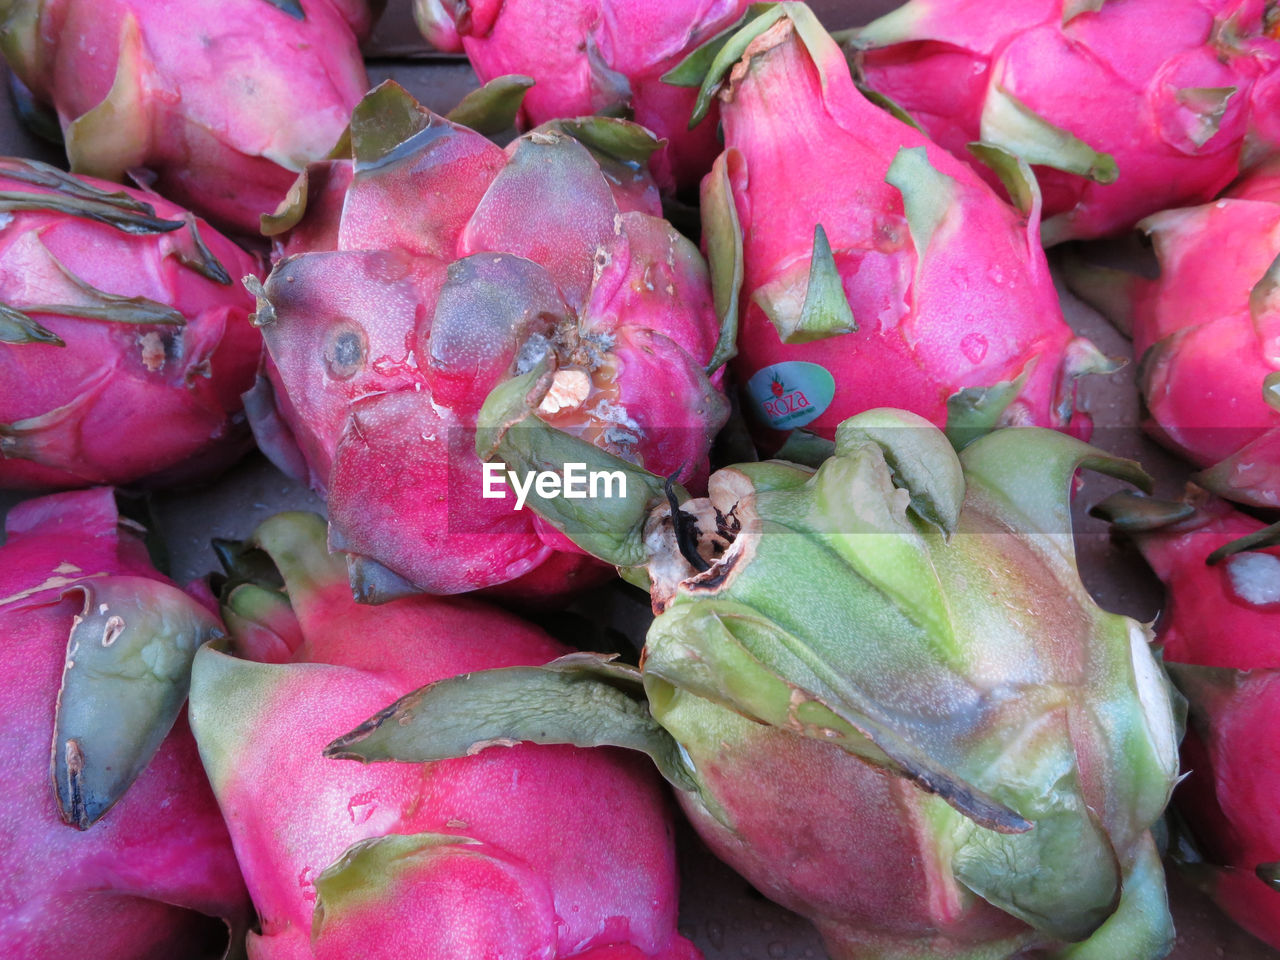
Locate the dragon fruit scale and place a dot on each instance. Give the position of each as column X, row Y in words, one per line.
column 1124, row 107
column 547, row 852
column 1220, row 632
column 116, row 849
column 867, row 266
column 1207, row 334
column 593, row 56
column 218, row 104
column 433, row 266
column 124, row 344
column 880, row 689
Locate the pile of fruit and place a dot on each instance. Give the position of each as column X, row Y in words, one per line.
column 697, row 294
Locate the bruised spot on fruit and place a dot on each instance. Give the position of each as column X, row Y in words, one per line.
column 112, row 629
column 1255, row 578
column 733, row 544
column 715, row 577
column 153, row 352
column 202, row 369
column 75, row 813
column 569, row 388
column 344, row 353
column 775, row 36
column 685, row 526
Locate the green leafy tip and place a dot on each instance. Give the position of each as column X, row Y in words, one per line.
column 1131, row 512
column 1258, row 540
column 493, row 108
column 582, row 699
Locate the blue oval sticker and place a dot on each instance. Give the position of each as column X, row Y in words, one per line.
column 791, row 394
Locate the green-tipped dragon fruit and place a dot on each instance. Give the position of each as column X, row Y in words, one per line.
column 1125, row 107
column 537, row 853
column 114, row 847
column 124, row 343
column 866, row 266
column 222, row 103
column 430, row 266
column 1220, row 632
column 879, row 686
column 1206, row 332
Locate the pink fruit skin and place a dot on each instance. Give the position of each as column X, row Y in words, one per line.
column 150, row 877
column 803, row 147
column 234, row 104
column 143, row 401
column 1111, row 77
column 389, row 436
column 899, row 898
column 576, row 855
column 1205, row 348
column 1228, row 799
column 588, row 56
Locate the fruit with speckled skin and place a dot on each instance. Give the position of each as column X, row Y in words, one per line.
column 125, row 340
column 433, row 266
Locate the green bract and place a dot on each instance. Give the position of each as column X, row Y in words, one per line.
column 897, row 708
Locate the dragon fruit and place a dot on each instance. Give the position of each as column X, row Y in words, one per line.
column 1124, row 107
column 869, row 267
column 545, row 852
column 219, row 115
column 428, row 269
column 1207, row 332
column 880, row 688
column 124, row 346
column 1221, row 637
column 593, row 56
column 122, row 852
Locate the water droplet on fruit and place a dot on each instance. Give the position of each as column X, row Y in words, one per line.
column 974, row 347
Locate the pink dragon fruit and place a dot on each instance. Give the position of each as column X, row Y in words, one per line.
column 1221, row 637
column 124, row 346
column 1125, row 107
column 438, row 266
column 548, row 852
column 221, row 114
column 1207, row 332
column 873, row 268
column 593, row 56
column 97, row 652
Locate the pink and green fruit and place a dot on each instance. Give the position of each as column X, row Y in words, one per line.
column 219, row 105
column 125, row 340
column 527, row 851
column 432, row 266
column 118, row 851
